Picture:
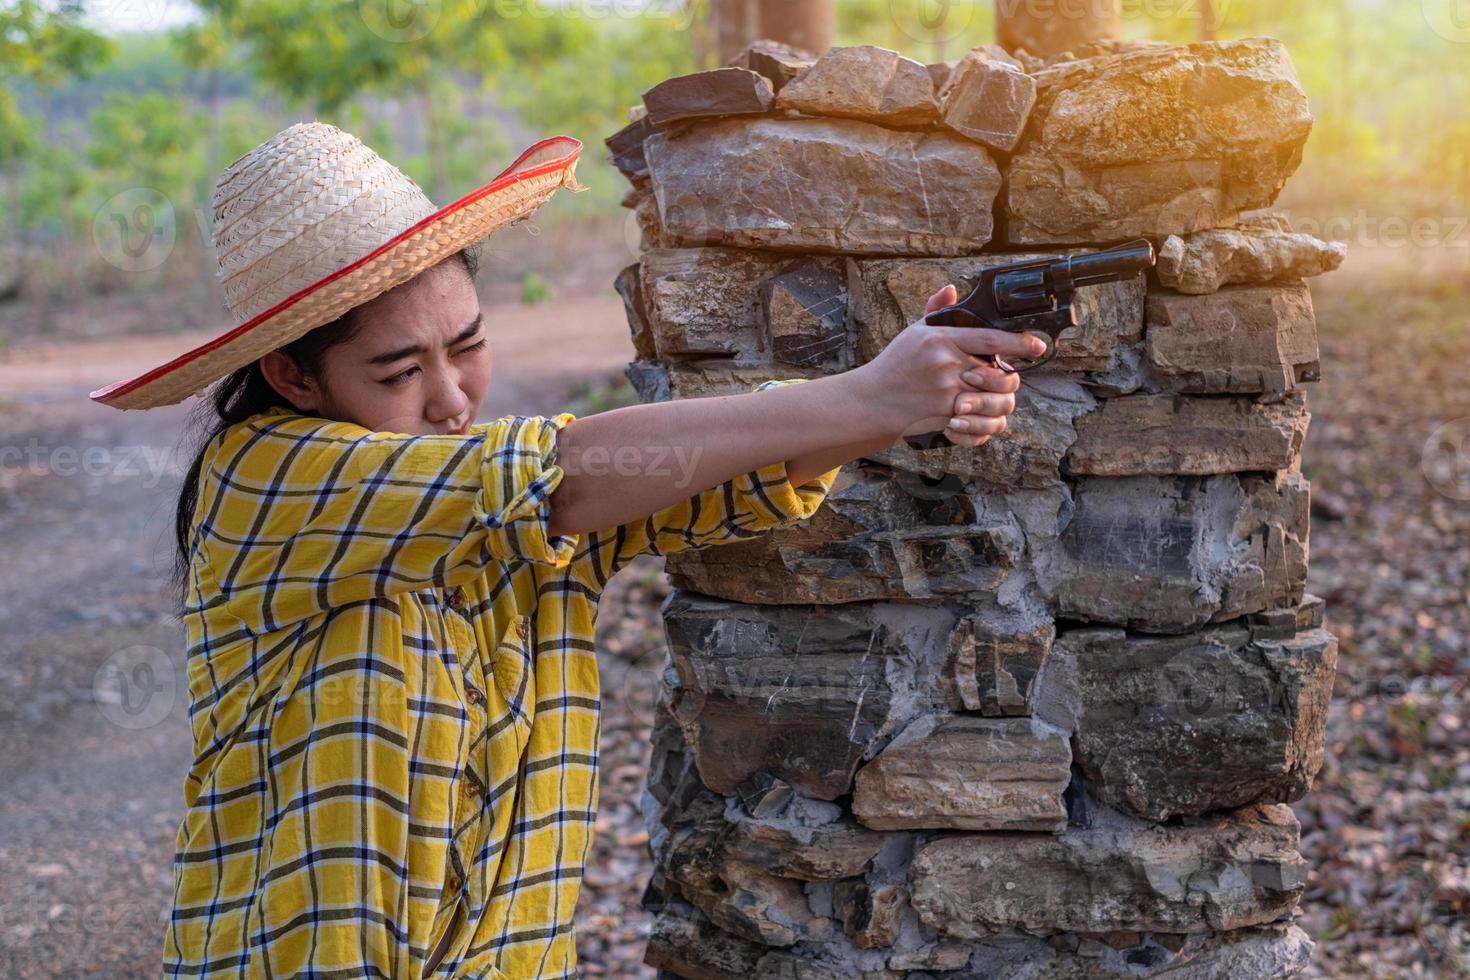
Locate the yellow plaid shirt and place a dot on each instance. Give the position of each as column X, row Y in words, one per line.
column 394, row 696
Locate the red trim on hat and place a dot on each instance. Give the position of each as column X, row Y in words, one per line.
column 504, row 179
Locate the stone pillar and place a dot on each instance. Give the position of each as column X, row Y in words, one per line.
column 1047, row 725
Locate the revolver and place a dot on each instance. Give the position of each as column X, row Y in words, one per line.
column 1034, row 298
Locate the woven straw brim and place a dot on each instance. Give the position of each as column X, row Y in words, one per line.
column 512, row 196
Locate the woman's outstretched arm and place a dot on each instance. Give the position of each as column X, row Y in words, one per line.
column 617, row 463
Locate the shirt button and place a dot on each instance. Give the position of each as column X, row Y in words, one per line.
column 521, row 629
column 473, row 695
column 471, row 785
column 456, row 598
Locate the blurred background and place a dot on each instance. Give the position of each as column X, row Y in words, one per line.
column 117, row 117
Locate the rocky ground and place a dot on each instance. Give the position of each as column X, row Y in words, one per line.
column 93, row 743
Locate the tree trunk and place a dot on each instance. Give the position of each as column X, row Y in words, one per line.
column 735, row 26
column 13, row 282
column 1209, row 21
column 809, row 24
column 1051, row 28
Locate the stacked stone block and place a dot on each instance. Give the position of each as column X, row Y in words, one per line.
column 1045, row 725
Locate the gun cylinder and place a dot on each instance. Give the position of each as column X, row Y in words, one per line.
column 1036, row 287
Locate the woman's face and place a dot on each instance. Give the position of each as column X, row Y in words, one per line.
column 419, row 362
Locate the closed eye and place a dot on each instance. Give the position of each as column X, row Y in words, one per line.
column 404, row 376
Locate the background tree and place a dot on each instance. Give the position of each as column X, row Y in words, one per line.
column 39, row 47
column 1051, row 28
column 809, row 24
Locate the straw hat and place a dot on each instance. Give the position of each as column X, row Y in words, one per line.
column 311, row 223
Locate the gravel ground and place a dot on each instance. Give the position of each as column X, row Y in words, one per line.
column 94, row 739
column 1387, row 828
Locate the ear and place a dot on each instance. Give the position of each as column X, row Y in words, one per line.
column 290, row 383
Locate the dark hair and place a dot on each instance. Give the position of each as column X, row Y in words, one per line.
column 246, row 392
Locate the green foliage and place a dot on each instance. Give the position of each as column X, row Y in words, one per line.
column 53, row 197
column 328, row 52
column 44, row 45
column 534, row 289
column 20, row 133
column 603, row 69
column 448, row 90
column 460, row 151
column 147, row 141
column 39, row 47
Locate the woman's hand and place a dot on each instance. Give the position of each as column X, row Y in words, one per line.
column 932, row 377
column 923, row 378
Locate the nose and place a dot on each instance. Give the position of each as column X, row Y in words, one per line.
column 445, row 401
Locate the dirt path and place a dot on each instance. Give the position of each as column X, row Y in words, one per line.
column 94, row 735
column 539, row 352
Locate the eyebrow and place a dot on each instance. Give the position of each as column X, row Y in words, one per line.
column 388, row 357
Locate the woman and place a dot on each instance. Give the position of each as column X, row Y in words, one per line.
column 390, row 608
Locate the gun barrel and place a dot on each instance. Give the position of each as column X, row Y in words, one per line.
column 1121, row 262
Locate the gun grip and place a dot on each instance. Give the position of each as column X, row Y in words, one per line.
column 928, row 440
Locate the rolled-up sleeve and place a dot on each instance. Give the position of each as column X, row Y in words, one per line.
column 297, row 515
column 739, row 509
